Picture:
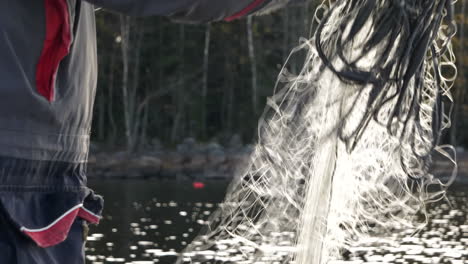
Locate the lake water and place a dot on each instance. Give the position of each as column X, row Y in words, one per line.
column 149, row 221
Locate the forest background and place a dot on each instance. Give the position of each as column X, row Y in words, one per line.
column 162, row 82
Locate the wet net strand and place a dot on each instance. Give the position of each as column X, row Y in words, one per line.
column 346, row 145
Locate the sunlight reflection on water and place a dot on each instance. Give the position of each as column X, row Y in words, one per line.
column 148, row 222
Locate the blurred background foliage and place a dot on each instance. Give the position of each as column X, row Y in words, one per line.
column 161, row 82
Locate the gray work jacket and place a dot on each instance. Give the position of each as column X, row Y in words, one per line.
column 48, row 67
column 48, row 71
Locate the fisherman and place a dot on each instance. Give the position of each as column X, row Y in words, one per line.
column 48, row 72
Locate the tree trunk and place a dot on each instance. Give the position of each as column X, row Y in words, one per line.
column 110, row 105
column 135, row 115
column 129, row 89
column 101, row 116
column 166, row 131
column 179, row 91
column 253, row 64
column 206, row 58
column 228, row 94
column 285, row 34
column 143, row 138
column 125, row 42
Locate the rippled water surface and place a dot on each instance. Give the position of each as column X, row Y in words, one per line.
column 148, row 222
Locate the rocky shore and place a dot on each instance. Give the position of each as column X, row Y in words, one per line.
column 192, row 160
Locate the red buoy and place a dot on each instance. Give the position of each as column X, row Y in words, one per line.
column 198, row 185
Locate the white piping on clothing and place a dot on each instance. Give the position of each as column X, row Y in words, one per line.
column 53, row 223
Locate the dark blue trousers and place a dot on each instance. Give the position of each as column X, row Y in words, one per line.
column 45, row 207
column 17, row 248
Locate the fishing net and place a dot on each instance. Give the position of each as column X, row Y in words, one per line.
column 346, row 146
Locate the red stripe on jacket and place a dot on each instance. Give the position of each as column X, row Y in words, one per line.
column 245, row 11
column 56, row 46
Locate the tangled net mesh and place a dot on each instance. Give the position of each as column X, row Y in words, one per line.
column 346, row 146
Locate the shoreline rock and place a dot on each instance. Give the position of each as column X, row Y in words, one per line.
column 188, row 161
column 195, row 161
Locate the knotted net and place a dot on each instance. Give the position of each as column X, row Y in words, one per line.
column 345, row 147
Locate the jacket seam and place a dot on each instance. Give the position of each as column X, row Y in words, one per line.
column 20, row 188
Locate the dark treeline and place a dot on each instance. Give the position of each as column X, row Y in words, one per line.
column 161, row 81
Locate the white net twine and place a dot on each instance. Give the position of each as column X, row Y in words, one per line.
column 345, row 147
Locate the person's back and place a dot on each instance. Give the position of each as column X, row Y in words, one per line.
column 48, row 73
